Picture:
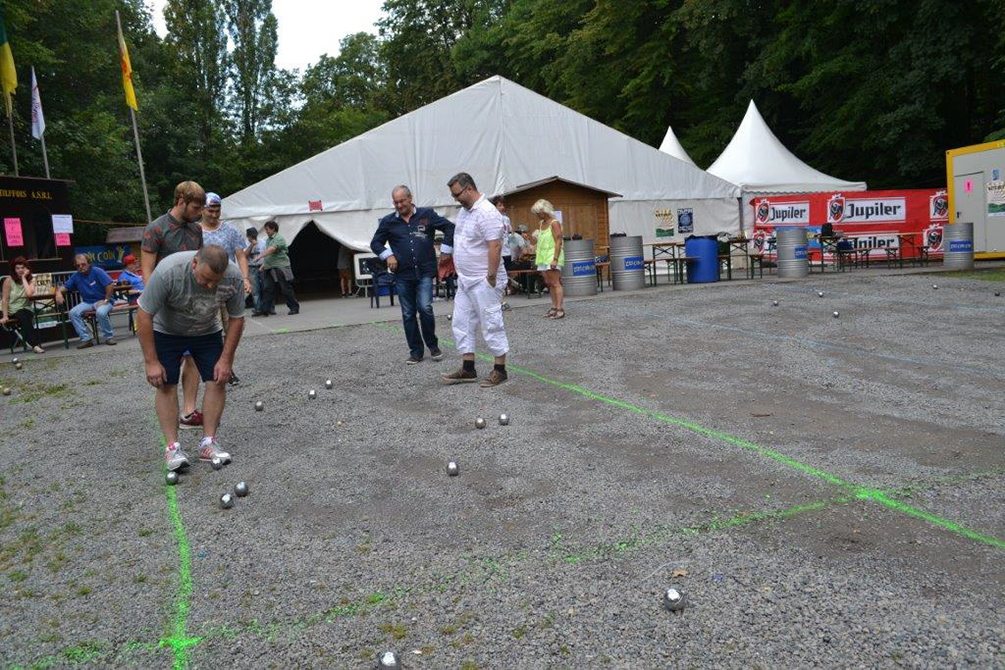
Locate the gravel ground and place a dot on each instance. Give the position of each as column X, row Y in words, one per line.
column 691, row 436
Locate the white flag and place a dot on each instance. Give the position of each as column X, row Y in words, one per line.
column 37, row 120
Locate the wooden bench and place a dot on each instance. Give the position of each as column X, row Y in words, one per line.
column 129, row 309
column 529, row 285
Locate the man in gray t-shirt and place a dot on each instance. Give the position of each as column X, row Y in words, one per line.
column 180, row 311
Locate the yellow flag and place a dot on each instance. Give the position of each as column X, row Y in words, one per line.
column 8, row 75
column 127, row 73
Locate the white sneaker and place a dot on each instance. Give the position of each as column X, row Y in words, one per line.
column 175, row 457
column 210, row 449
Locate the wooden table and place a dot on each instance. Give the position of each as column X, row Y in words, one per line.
column 669, row 253
column 46, row 303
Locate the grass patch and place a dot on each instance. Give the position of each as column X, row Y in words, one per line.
column 17, row 575
column 31, row 393
column 988, row 274
column 396, row 631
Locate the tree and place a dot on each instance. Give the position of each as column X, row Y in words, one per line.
column 197, row 42
column 253, row 28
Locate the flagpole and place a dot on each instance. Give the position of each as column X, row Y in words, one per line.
column 136, row 136
column 45, row 156
column 13, row 147
column 139, row 156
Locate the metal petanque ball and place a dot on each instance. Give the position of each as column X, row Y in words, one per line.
column 328, row 384
column 998, row 294
column 216, row 463
column 312, row 394
column 673, row 600
column 259, row 406
column 836, row 315
column 241, row 489
column 450, row 317
column 935, row 287
column 171, row 478
column 388, row 659
column 452, row 469
column 226, row 501
column 479, row 422
column 14, row 360
column 820, row 294
column 774, row 303
column 504, row 419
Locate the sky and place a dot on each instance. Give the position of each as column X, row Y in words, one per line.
column 307, row 28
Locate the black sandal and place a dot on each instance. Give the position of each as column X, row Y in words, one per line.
column 551, row 313
column 559, row 314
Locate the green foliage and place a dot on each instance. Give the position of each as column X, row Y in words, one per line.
column 862, row 89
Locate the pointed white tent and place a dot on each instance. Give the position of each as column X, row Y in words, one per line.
column 673, row 147
column 502, row 134
column 758, row 163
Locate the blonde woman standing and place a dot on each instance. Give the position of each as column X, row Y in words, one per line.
column 550, row 255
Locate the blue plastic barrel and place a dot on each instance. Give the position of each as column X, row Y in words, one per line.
column 705, row 250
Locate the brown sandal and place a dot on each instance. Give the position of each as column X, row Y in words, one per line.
column 559, row 314
column 551, row 313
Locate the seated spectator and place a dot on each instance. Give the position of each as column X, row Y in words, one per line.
column 18, row 290
column 132, row 275
column 95, row 288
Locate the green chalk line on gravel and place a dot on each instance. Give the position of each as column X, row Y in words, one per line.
column 861, row 492
column 177, row 639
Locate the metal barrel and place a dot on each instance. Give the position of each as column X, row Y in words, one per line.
column 579, row 274
column 792, row 258
column 958, row 243
column 627, row 267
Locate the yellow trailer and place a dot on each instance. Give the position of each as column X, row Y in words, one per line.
column 975, row 177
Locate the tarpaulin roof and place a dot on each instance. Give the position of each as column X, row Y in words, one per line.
column 756, row 161
column 671, row 146
column 501, row 133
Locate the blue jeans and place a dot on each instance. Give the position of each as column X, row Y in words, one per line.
column 104, row 321
column 416, row 297
column 257, row 286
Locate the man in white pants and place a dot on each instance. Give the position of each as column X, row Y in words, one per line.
column 481, row 280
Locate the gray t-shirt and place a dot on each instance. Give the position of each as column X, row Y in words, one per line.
column 180, row 306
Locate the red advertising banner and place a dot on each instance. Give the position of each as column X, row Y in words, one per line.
column 875, row 220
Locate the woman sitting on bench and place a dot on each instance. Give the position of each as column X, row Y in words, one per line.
column 18, row 290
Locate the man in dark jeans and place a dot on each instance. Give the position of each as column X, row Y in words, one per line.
column 412, row 258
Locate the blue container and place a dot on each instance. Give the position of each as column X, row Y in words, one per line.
column 705, row 249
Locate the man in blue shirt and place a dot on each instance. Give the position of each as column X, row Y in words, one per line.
column 130, row 274
column 412, row 259
column 95, row 289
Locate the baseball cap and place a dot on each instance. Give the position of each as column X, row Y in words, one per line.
column 128, row 259
column 212, row 200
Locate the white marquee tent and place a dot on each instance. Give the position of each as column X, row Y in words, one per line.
column 758, row 163
column 503, row 135
column 673, row 147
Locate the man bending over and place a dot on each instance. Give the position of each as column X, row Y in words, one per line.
column 179, row 312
